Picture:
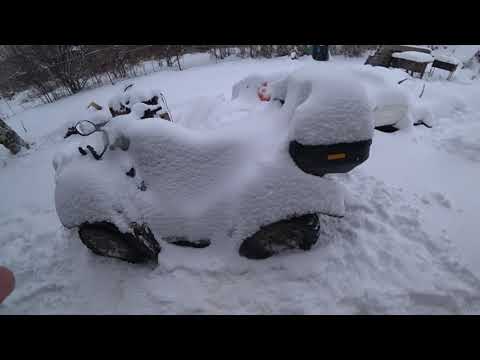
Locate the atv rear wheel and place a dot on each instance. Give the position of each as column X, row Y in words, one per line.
column 295, row 233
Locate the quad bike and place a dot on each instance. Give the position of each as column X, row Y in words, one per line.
column 394, row 107
column 261, row 176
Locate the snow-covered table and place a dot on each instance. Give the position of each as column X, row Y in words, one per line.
column 413, row 61
column 383, row 55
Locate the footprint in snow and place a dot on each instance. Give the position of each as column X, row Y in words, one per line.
column 425, row 200
column 442, row 200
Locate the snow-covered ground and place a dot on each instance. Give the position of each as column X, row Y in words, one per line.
column 408, row 242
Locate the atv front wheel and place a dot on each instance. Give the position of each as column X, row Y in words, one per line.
column 105, row 239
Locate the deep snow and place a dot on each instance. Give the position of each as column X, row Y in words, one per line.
column 408, row 242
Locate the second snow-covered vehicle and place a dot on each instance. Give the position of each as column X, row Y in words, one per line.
column 246, row 173
column 395, row 104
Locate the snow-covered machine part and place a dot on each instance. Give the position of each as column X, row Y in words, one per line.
column 131, row 96
column 248, row 88
column 328, row 107
column 391, row 108
column 147, row 104
column 332, row 123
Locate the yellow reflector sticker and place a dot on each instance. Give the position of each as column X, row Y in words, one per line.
column 336, row 156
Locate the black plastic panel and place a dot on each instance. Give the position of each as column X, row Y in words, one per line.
column 314, row 159
column 387, row 129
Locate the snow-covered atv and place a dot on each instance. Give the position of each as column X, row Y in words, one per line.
column 394, row 105
column 255, row 180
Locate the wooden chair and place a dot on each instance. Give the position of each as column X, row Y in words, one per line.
column 444, row 64
column 383, row 55
column 410, row 65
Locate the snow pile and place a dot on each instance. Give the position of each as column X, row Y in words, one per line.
column 416, row 56
column 200, row 113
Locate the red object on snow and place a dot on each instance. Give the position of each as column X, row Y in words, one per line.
column 7, row 283
column 263, row 94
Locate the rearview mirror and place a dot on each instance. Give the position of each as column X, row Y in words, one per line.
column 85, row 128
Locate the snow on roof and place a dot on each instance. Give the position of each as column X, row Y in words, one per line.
column 414, row 56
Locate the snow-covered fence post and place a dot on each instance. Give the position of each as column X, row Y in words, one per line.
column 10, row 139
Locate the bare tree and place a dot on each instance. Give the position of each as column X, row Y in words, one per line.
column 52, row 71
column 350, row 50
column 10, row 139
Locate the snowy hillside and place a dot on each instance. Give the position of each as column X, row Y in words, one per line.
column 408, row 242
